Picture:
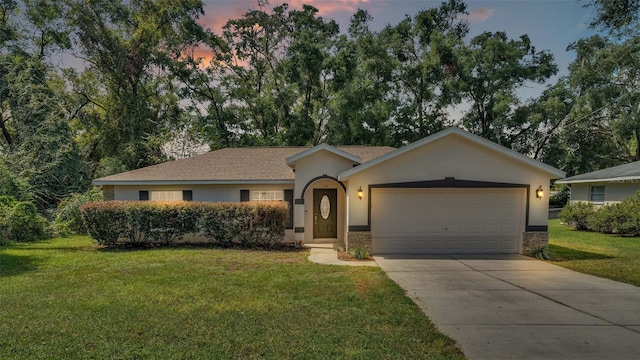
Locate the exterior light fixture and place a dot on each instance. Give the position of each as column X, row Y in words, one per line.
column 539, row 192
column 360, row 193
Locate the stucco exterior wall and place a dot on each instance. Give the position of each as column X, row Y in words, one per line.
column 456, row 157
column 308, row 168
column 613, row 192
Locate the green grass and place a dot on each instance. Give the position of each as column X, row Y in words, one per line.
column 68, row 298
column 607, row 256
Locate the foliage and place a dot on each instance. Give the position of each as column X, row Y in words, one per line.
column 13, row 185
column 360, row 253
column 248, row 224
column 540, row 253
column 68, row 215
column 577, row 215
column 490, row 70
column 106, row 222
column 621, row 218
column 21, row 223
column 560, row 198
column 424, row 48
column 128, row 99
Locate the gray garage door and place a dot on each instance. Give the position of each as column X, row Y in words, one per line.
column 447, row 220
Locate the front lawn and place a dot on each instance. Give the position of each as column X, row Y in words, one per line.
column 607, row 256
column 68, row 298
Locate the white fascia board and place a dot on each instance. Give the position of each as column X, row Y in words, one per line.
column 607, row 180
column 191, row 182
column 293, row 158
column 457, row 131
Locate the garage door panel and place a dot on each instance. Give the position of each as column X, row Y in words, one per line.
column 447, row 220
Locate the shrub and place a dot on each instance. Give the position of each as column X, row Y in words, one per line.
column 160, row 222
column 106, row 222
column 360, row 253
column 249, row 224
column 22, row 223
column 68, row 218
column 621, row 218
column 577, row 215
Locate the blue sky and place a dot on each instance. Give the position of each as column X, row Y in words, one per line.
column 551, row 24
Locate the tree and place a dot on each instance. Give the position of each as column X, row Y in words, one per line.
column 360, row 105
column 490, row 71
column 128, row 48
column 424, row 47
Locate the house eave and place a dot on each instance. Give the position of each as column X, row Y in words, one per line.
column 192, row 182
column 606, row 180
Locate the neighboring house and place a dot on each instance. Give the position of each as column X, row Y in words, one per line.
column 451, row 192
column 606, row 186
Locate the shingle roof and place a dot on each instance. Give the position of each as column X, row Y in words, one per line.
column 232, row 165
column 630, row 171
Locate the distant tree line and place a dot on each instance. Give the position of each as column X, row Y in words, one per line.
column 89, row 88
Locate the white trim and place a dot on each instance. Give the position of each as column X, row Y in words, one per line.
column 293, row 158
column 607, row 180
column 190, row 182
column 454, row 131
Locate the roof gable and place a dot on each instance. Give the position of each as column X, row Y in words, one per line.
column 455, row 131
column 291, row 160
column 630, row 171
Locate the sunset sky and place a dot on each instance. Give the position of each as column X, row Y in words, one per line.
column 551, row 24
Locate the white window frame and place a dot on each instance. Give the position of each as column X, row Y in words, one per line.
column 596, row 193
column 163, row 195
column 267, row 195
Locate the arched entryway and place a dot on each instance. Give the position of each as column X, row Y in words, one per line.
column 324, row 210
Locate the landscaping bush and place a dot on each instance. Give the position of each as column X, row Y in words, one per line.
column 106, row 221
column 21, row 223
column 248, row 224
column 622, row 218
column 68, row 217
column 577, row 215
column 160, row 222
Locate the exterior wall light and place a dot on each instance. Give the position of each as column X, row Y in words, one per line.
column 360, row 193
column 539, row 192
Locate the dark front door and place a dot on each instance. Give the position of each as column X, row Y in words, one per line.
column 325, row 217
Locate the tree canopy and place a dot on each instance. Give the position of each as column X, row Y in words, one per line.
column 92, row 88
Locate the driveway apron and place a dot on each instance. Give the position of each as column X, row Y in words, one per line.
column 515, row 307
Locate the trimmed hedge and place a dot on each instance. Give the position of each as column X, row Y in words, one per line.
column 247, row 224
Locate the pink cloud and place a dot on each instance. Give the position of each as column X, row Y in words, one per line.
column 330, row 6
column 479, row 15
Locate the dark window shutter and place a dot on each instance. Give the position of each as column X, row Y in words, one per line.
column 187, row 195
column 244, row 195
column 288, row 197
column 144, row 195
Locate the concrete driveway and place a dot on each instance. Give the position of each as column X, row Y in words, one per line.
column 515, row 307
